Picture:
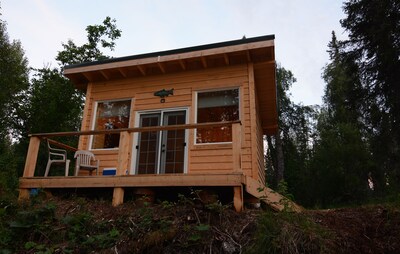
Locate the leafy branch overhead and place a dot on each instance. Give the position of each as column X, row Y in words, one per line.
column 98, row 36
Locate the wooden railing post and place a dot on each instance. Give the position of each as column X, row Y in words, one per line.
column 30, row 165
column 123, row 154
column 31, row 157
column 236, row 147
column 122, row 165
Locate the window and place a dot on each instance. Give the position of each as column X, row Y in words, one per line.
column 110, row 115
column 216, row 106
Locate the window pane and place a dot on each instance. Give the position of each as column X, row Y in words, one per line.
column 110, row 115
column 217, row 106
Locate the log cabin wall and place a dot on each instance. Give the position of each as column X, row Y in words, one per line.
column 202, row 158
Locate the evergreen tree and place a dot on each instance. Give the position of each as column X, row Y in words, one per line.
column 288, row 152
column 341, row 163
column 374, row 45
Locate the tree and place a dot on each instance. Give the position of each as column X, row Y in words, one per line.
column 13, row 76
column 374, row 45
column 51, row 103
column 289, row 151
column 99, row 36
column 13, row 81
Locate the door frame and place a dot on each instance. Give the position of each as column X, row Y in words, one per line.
column 136, row 137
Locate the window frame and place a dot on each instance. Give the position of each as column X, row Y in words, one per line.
column 196, row 109
column 96, row 103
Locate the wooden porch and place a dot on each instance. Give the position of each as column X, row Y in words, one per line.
column 234, row 178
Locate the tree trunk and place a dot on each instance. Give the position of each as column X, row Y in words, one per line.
column 280, row 159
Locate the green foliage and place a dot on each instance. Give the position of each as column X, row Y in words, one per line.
column 13, row 77
column 374, row 47
column 98, row 36
column 287, row 232
column 290, row 151
column 38, row 229
column 53, row 104
column 48, row 103
column 13, row 82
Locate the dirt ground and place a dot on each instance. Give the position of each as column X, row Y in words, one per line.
column 372, row 229
column 167, row 227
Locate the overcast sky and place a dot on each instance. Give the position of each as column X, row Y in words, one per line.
column 302, row 29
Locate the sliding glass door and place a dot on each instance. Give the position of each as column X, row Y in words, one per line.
column 160, row 152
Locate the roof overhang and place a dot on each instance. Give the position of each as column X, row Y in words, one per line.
column 256, row 50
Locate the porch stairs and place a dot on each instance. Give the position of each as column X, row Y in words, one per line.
column 270, row 197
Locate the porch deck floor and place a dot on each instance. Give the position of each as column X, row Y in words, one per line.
column 228, row 179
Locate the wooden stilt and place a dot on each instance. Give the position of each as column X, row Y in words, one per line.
column 118, row 196
column 23, row 195
column 238, row 198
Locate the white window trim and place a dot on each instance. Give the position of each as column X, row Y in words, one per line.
column 96, row 103
column 136, row 137
column 195, row 111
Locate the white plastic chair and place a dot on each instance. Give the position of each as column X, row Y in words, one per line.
column 56, row 156
column 84, row 161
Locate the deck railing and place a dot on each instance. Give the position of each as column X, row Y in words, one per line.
column 124, row 141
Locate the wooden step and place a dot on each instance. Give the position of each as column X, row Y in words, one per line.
column 272, row 198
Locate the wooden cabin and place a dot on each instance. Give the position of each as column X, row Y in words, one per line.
column 187, row 117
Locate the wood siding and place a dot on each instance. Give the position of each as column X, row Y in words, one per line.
column 202, row 158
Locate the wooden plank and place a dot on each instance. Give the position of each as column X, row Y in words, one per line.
column 139, row 129
column 172, row 57
column 162, row 67
column 118, row 196
column 238, row 198
column 226, row 58
column 210, row 167
column 114, row 95
column 31, row 157
column 204, row 62
column 24, row 195
column 142, row 69
column 211, row 159
column 253, row 121
column 86, row 117
column 211, row 152
column 209, row 179
column 182, row 80
column 273, row 199
column 236, row 147
column 123, row 155
column 61, row 145
column 182, row 64
column 156, row 100
column 105, row 75
column 123, row 72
